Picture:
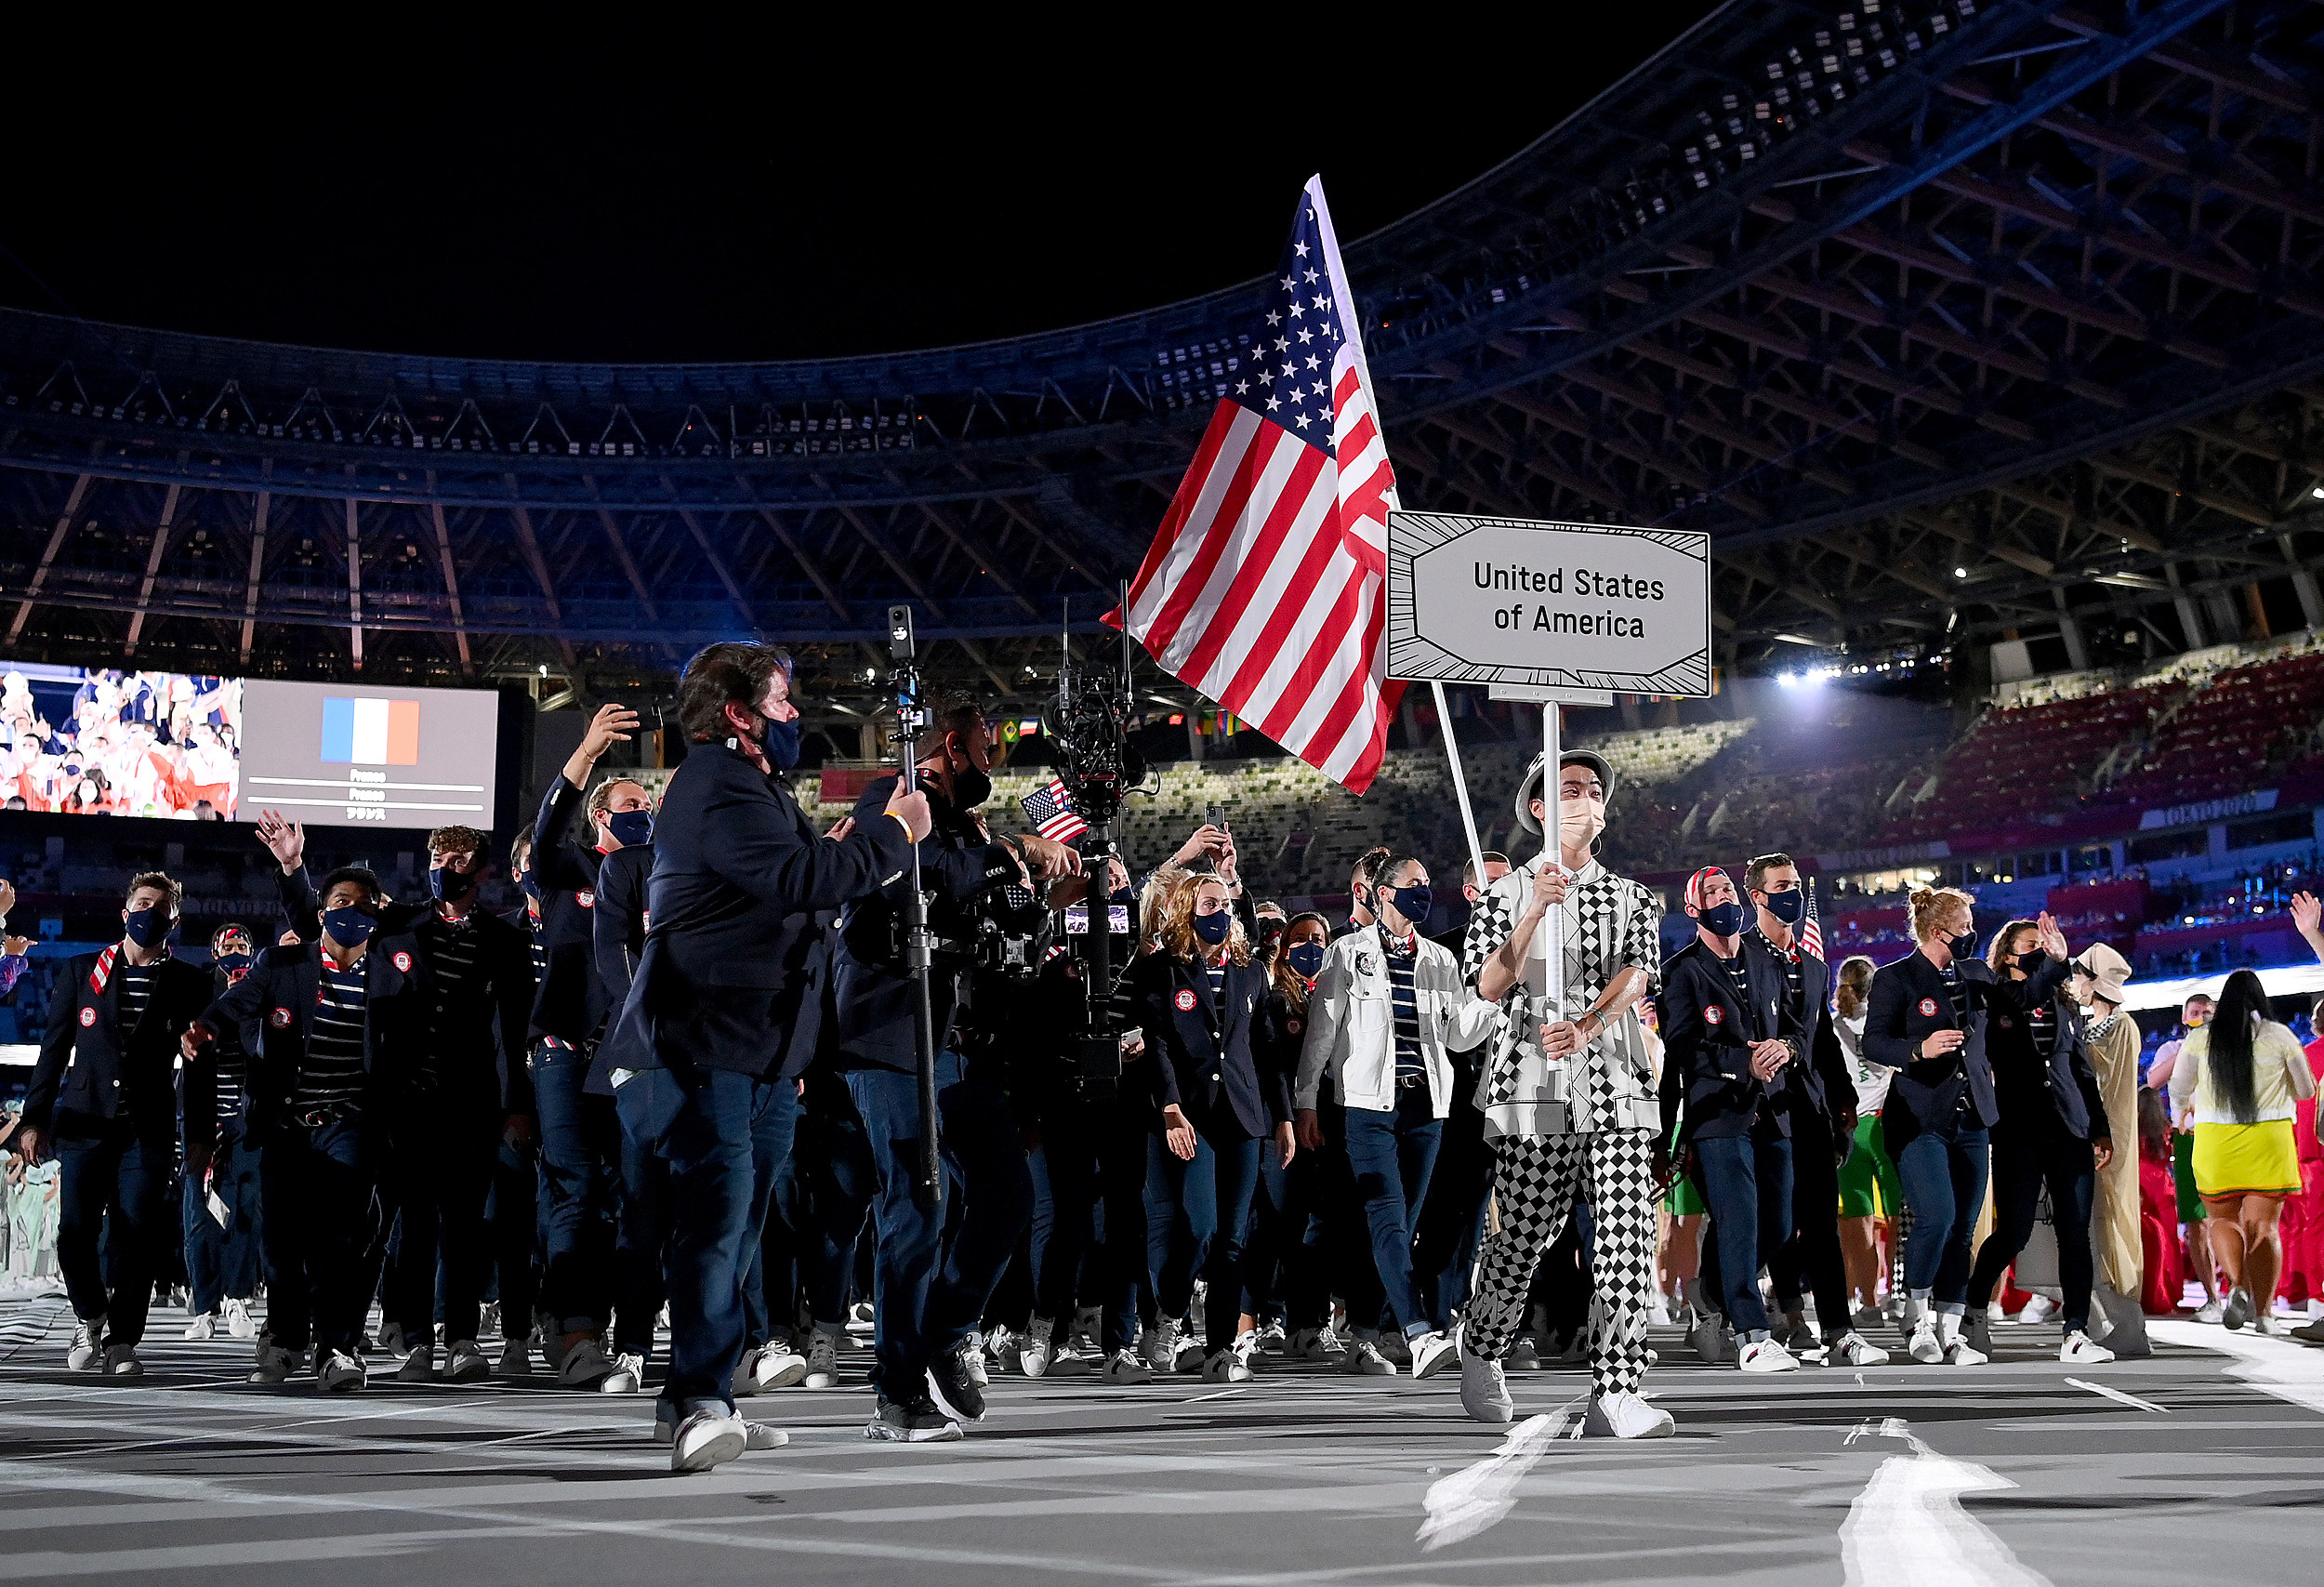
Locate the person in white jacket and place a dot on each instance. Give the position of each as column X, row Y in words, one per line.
column 1387, row 1005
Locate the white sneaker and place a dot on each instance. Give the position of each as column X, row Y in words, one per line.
column 1037, row 1348
column 2040, row 1309
column 1922, row 1344
column 121, row 1361
column 707, row 1438
column 823, row 1361
column 1959, row 1351
column 759, row 1436
column 1123, row 1367
column 2238, row 1310
column 1005, row 1350
column 1191, row 1352
column 585, row 1366
column 1483, row 1390
column 88, row 1351
column 2261, row 1322
column 1077, row 1357
column 1852, row 1349
column 275, row 1364
column 1626, row 1416
column 2211, row 1311
column 1768, row 1355
column 1363, row 1359
column 1273, row 1340
column 1224, row 1365
column 1431, row 1353
column 391, row 1340
column 1708, row 1334
column 419, row 1367
column 973, row 1361
column 629, row 1376
column 465, row 1364
column 202, row 1327
column 516, row 1359
column 343, row 1374
column 1158, row 1346
column 2080, row 1350
column 771, row 1366
column 240, row 1324
column 1316, row 1344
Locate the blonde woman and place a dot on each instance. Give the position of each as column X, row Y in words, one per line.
column 2243, row 1076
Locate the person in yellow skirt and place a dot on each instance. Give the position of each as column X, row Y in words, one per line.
column 2242, row 1076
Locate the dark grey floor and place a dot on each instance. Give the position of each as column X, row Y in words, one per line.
column 1895, row 1474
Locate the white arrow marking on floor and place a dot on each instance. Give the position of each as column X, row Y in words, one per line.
column 2130, row 1401
column 1471, row 1500
column 1908, row 1527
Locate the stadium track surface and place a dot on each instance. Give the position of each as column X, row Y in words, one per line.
column 1302, row 1475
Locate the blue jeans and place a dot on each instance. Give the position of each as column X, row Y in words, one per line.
column 1747, row 1181
column 699, row 1123
column 1390, row 1155
column 105, row 1168
column 1200, row 1212
column 1451, row 1225
column 771, row 1138
column 1092, row 1151
column 1942, row 1174
column 315, row 1235
column 1283, row 1269
column 580, row 1145
column 837, row 1183
column 927, row 1290
column 222, row 1263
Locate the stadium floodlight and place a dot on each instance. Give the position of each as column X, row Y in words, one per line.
column 1960, row 573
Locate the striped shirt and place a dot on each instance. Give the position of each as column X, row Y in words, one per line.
column 1739, row 975
column 333, row 1070
column 1795, row 983
column 2042, row 1024
column 1402, row 957
column 135, row 982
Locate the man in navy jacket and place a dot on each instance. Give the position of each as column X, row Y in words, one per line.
column 104, row 1098
column 727, row 1002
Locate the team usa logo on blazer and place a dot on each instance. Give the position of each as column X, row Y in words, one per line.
column 88, row 1018
column 1928, row 1008
column 279, row 1019
column 1714, row 1015
column 403, row 963
column 1185, row 1001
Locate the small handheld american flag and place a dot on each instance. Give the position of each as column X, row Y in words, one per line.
column 1050, row 810
column 1811, row 933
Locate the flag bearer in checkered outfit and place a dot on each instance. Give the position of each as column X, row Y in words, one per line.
column 1569, row 1102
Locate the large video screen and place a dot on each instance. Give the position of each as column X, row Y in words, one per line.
column 334, row 754
column 109, row 741
column 106, row 742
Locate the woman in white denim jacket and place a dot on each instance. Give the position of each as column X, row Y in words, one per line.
column 1387, row 1005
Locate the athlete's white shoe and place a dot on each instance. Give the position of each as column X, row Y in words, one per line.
column 2080, row 1350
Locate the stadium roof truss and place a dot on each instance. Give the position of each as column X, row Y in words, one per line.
column 1953, row 316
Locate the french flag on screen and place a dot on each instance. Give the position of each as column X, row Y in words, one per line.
column 371, row 733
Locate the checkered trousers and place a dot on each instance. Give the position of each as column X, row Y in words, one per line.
column 1536, row 1182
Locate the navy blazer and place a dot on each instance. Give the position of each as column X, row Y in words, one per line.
column 1821, row 1076
column 570, row 1002
column 1909, row 1001
column 1706, row 1036
column 735, row 961
column 617, row 923
column 90, row 1066
column 1205, row 1043
column 273, row 1006
column 2071, row 1081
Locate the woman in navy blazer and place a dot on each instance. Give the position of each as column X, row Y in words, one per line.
column 1198, row 999
column 1927, row 1020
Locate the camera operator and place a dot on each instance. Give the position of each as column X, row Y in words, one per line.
column 727, row 1003
column 930, row 1293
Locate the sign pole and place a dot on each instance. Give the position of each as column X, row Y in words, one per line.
column 1461, row 784
column 1552, row 935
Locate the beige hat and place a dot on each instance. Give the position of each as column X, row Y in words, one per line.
column 2107, row 968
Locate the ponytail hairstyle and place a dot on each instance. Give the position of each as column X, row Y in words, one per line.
column 1854, row 986
column 1930, row 904
column 2242, row 1009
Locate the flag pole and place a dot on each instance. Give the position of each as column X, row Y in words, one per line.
column 1461, row 784
column 1552, row 936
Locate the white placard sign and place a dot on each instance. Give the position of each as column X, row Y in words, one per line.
column 1509, row 600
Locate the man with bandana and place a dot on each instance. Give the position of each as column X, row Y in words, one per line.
column 222, row 1258
column 1569, row 1100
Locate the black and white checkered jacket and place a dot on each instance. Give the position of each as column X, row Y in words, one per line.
column 1612, row 925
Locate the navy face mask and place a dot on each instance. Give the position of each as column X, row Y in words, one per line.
column 236, row 966
column 781, row 743
column 449, row 884
column 1213, row 929
column 349, row 927
column 1722, row 920
column 146, row 927
column 1413, row 902
column 1307, row 959
column 1788, row 907
column 633, row 826
column 531, row 889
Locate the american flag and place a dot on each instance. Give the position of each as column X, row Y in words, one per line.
column 1811, row 933
column 1050, row 810
column 1264, row 585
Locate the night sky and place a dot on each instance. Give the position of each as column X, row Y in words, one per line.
column 442, row 190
